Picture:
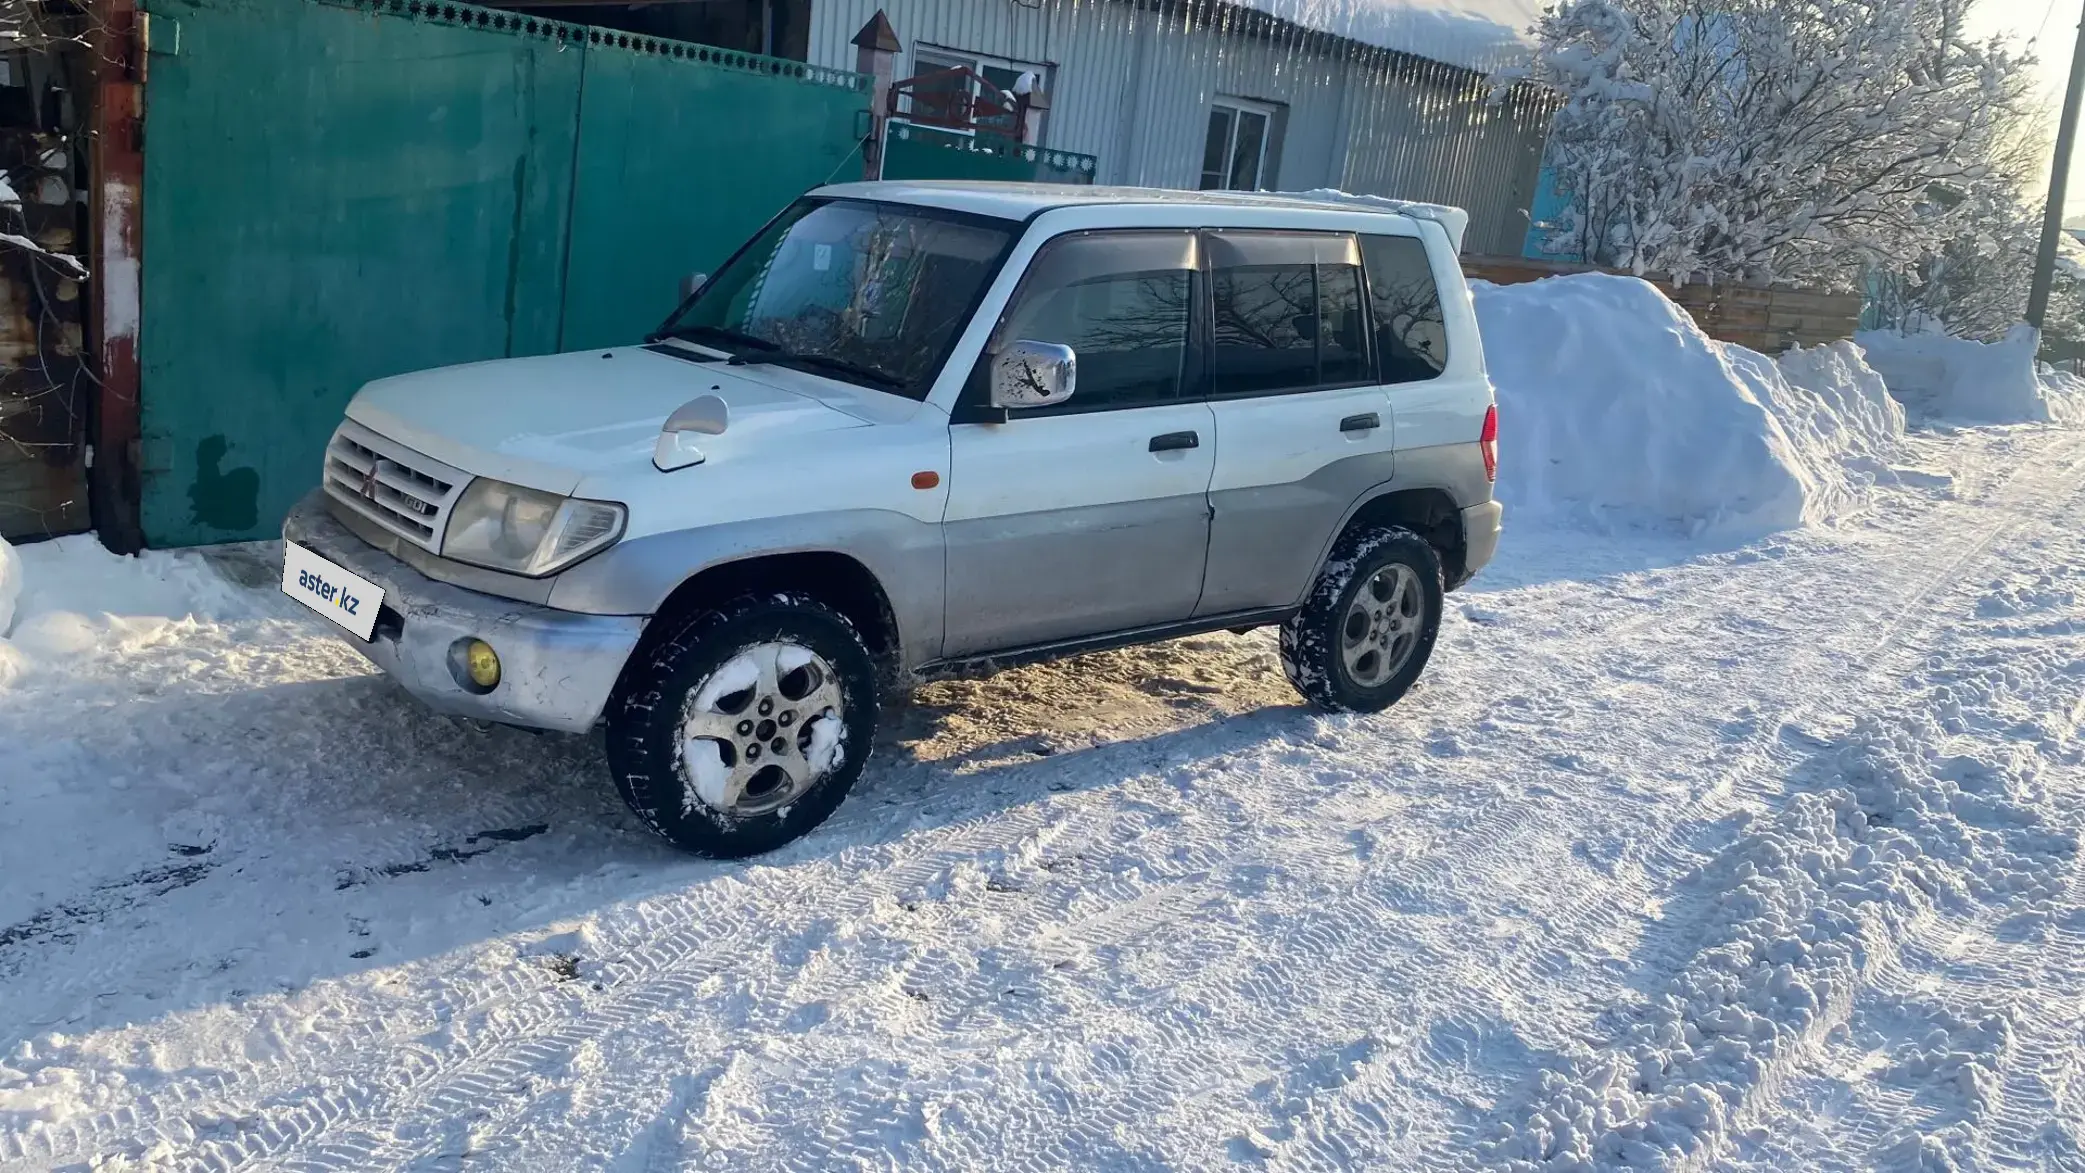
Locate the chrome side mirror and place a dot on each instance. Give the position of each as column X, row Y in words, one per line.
column 1034, row 374
column 692, row 284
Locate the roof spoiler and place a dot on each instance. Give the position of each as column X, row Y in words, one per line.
column 1454, row 221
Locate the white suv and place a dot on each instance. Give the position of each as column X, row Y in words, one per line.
column 917, row 429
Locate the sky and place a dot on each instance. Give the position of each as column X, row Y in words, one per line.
column 2051, row 26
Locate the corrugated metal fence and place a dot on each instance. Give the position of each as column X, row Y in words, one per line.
column 1132, row 81
column 337, row 190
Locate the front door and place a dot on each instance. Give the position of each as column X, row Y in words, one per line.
column 1092, row 516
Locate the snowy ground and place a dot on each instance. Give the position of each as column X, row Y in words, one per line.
column 1757, row 857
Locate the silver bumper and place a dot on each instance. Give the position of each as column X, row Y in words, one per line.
column 556, row 667
column 1480, row 536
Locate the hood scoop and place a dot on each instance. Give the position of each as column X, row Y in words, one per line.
column 706, row 415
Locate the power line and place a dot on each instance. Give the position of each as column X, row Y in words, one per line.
column 2047, row 10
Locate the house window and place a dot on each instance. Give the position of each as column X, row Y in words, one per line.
column 952, row 101
column 1235, row 156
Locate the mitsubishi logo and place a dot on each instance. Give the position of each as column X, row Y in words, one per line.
column 369, row 480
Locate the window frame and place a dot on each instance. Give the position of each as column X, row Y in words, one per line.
column 974, row 404
column 1044, row 72
column 1371, row 366
column 1238, row 107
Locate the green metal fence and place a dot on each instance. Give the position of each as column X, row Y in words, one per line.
column 911, row 151
column 337, row 190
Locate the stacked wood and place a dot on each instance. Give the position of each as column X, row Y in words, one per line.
column 45, row 385
column 1768, row 320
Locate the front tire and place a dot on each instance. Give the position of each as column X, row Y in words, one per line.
column 1368, row 628
column 746, row 727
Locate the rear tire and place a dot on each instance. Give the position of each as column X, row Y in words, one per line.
column 746, row 727
column 1368, row 628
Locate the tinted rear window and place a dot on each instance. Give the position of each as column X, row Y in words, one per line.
column 1411, row 337
column 1288, row 313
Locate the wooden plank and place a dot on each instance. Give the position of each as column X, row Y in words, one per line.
column 1733, row 318
column 39, row 499
column 1837, row 304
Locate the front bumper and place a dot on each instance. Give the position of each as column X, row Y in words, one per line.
column 556, row 667
column 1480, row 537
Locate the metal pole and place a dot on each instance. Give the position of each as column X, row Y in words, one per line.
column 2052, row 217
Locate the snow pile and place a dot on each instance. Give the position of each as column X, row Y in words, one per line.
column 70, row 597
column 1795, row 910
column 10, row 590
column 1842, row 426
column 1616, row 407
column 1939, row 377
column 1475, row 34
column 10, row 584
column 2065, row 394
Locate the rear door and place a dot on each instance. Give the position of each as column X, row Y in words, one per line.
column 1090, row 517
column 1303, row 423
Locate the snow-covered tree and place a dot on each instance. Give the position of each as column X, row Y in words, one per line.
column 1770, row 140
column 1974, row 284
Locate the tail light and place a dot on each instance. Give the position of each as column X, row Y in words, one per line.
column 1488, row 440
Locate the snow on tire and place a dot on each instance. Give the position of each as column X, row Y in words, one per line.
column 746, row 727
column 1369, row 625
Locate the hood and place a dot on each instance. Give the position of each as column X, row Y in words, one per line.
column 548, row 423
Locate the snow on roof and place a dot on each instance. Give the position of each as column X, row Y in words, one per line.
column 1476, row 34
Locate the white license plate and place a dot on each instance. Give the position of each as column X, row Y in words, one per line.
column 340, row 595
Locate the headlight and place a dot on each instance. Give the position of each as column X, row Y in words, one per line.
column 506, row 527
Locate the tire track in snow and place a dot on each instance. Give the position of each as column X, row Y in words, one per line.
column 1882, row 947
column 2033, row 978
column 1310, row 946
column 539, row 1025
column 1664, row 846
column 1517, row 819
column 671, row 932
column 1985, row 972
column 485, row 1093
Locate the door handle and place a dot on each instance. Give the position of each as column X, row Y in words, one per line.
column 1367, row 421
column 1175, row 441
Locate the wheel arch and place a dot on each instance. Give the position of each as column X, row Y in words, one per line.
column 840, row 581
column 1427, row 510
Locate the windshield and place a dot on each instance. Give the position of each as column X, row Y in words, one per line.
column 869, row 293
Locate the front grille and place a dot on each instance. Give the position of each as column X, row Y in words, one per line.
column 392, row 485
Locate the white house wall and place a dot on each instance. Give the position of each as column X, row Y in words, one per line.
column 1132, row 84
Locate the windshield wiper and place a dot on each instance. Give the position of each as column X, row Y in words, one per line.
column 719, row 333
column 826, row 361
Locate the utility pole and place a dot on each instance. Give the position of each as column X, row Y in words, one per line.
column 2059, row 179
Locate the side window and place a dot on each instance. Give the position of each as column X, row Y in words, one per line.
column 1411, row 337
column 1122, row 301
column 1287, row 313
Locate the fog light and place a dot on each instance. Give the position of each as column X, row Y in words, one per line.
column 476, row 665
